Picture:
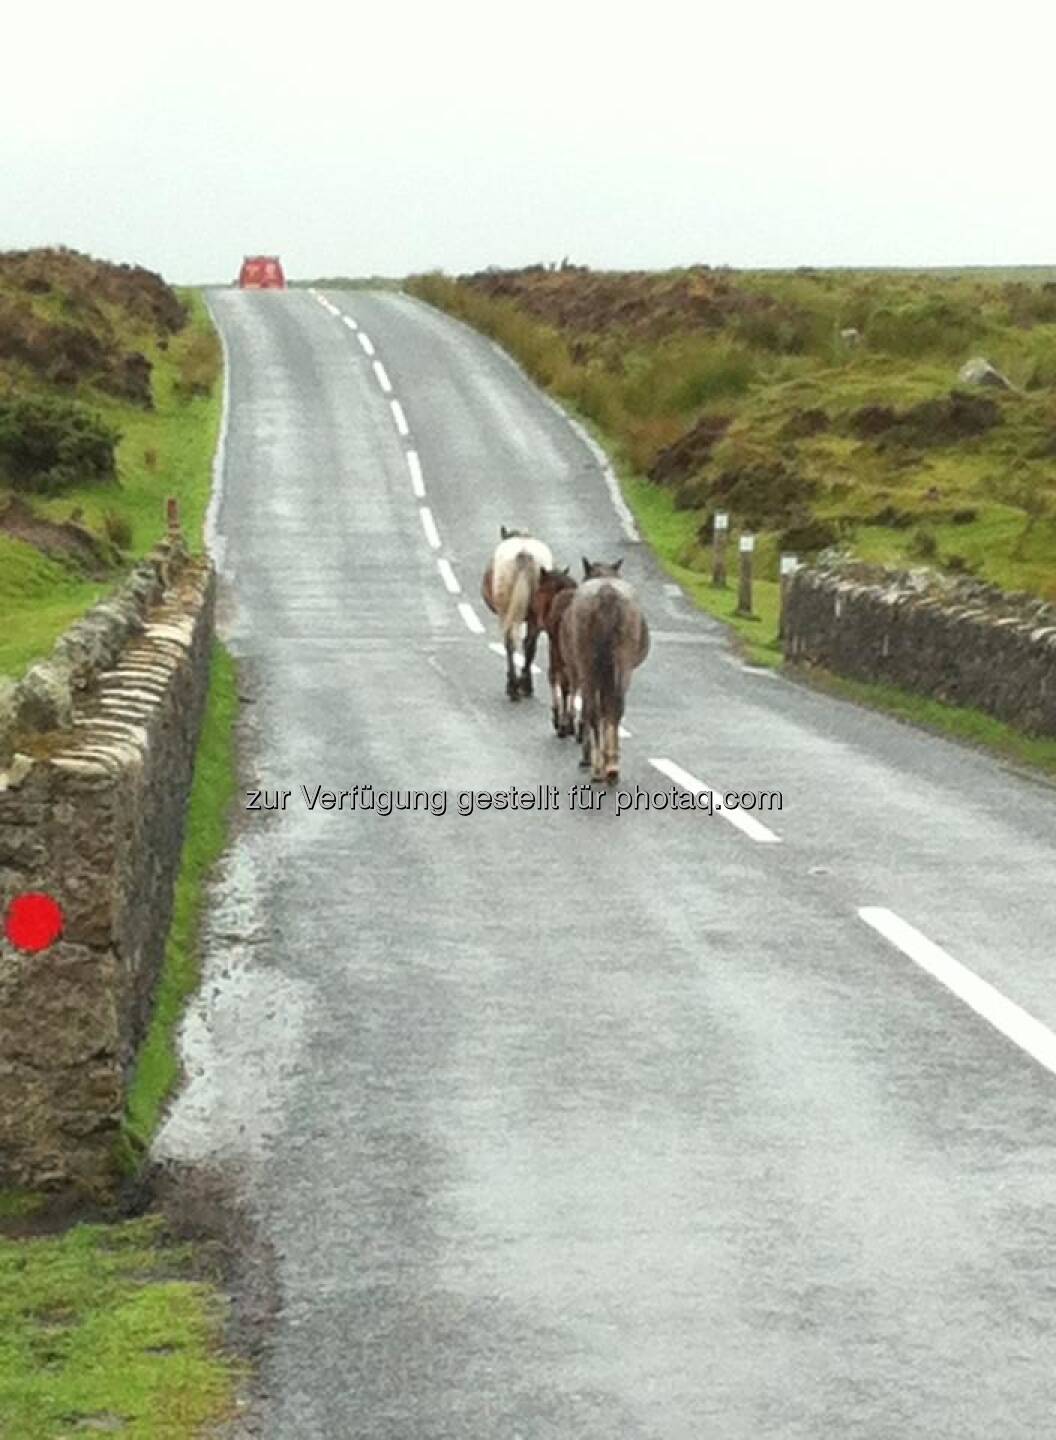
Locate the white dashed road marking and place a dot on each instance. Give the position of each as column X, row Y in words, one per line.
column 429, row 526
column 383, row 379
column 414, row 465
column 347, row 319
column 366, row 342
column 470, row 616
column 1003, row 1014
column 750, row 826
column 399, row 417
column 448, row 576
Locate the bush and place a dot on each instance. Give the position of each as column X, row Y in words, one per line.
column 762, row 490
column 1031, row 304
column 958, row 564
column 935, row 325
column 807, row 534
column 892, row 518
column 118, row 529
column 51, row 445
column 199, row 366
column 923, row 546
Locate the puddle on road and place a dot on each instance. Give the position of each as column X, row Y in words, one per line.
column 243, row 1035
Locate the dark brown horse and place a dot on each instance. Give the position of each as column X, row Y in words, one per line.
column 604, row 638
column 553, row 596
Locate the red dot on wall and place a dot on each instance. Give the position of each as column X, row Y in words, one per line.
column 33, row 921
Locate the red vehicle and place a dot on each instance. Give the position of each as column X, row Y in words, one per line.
column 261, row 272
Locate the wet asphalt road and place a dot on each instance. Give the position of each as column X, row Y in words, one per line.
column 570, row 1124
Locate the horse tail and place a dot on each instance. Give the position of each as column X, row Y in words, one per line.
column 522, row 588
column 606, row 677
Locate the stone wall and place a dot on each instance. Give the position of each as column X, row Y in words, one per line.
column 960, row 641
column 97, row 748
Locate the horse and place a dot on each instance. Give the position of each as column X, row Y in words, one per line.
column 553, row 596
column 508, row 588
column 605, row 637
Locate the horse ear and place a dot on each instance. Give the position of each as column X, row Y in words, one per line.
column 544, row 574
column 617, row 565
column 503, row 532
column 566, row 570
column 586, row 567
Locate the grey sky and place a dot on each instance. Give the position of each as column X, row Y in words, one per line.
column 384, row 139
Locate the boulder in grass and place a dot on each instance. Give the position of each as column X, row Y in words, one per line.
column 979, row 371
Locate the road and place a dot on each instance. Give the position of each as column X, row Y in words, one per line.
column 574, row 1124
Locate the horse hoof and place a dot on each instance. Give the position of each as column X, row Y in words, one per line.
column 584, row 764
column 612, row 774
column 513, row 694
column 525, row 686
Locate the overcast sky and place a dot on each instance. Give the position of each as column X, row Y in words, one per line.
column 388, row 138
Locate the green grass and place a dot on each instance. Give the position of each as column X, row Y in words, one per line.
column 157, row 1065
column 664, row 528
column 39, row 598
column 181, row 432
column 167, row 451
column 105, row 1324
column 18, row 1204
column 624, row 351
column 995, row 543
column 969, row 726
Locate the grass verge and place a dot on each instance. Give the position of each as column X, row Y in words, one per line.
column 213, row 787
column 107, row 1328
column 955, row 722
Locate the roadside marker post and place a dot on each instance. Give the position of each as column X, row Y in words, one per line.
column 720, row 527
column 744, row 592
column 789, row 566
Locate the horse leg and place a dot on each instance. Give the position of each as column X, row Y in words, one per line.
column 610, row 732
column 597, row 753
column 531, row 640
column 511, row 670
column 555, row 695
column 584, row 732
column 566, row 726
column 612, row 749
column 594, row 727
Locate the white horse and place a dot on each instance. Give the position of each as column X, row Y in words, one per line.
column 508, row 589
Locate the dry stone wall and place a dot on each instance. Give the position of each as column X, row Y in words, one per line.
column 97, row 748
column 960, row 641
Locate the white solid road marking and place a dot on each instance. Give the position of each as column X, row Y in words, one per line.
column 399, row 417
column 414, row 465
column 429, row 526
column 751, row 827
column 347, row 320
column 366, row 342
column 1003, row 1014
column 383, row 379
column 470, row 616
column 448, row 576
